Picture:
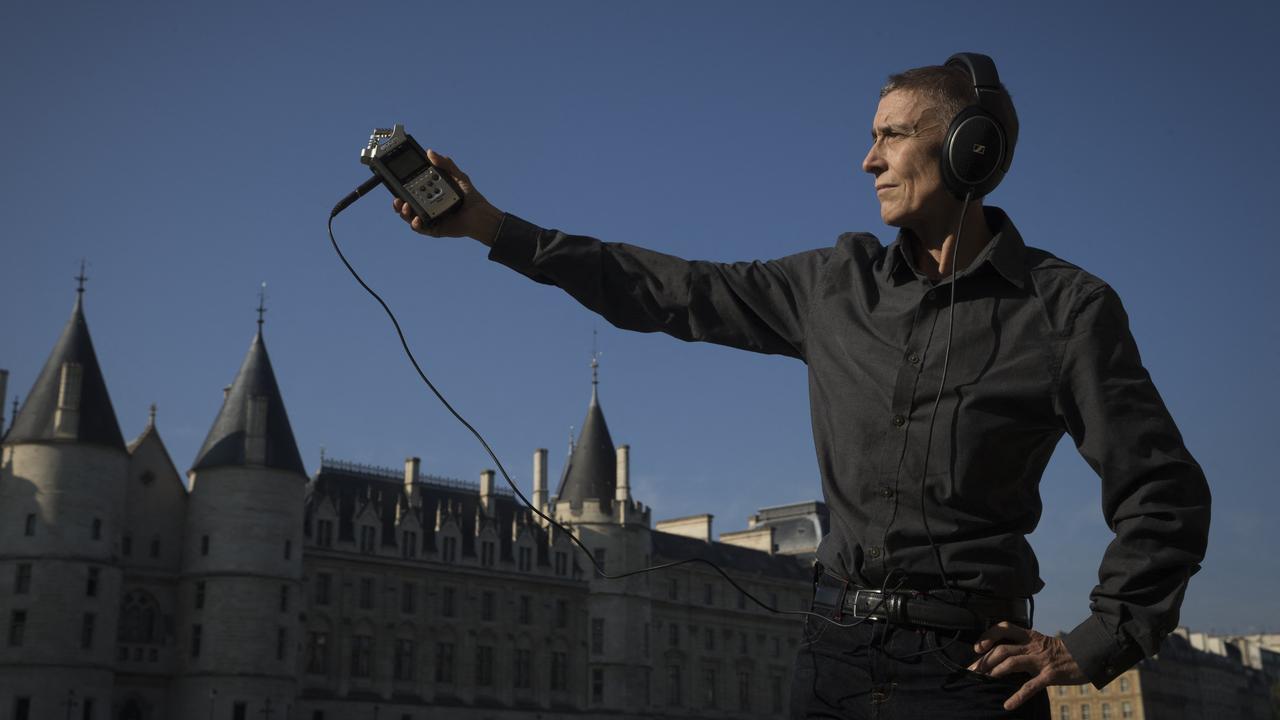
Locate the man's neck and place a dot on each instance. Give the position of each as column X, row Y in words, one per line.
column 932, row 245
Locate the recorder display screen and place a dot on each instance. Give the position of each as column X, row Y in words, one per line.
column 406, row 163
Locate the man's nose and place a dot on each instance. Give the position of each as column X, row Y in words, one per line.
column 873, row 162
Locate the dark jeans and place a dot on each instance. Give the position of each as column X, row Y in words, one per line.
column 878, row 670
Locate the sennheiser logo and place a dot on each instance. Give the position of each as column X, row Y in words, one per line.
column 980, row 149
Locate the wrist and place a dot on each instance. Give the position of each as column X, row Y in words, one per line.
column 491, row 219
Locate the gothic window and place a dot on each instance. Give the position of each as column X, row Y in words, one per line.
column 139, row 616
column 86, row 631
column 368, row 539
column 709, row 687
column 559, row 671
column 449, row 551
column 409, row 544
column 486, row 553
column 22, row 579
column 199, row 599
column 91, row 585
column 17, row 627
column 444, row 662
column 324, row 533
column 318, row 653
column 562, row 564
column 486, row 605
column 366, row 593
column 404, row 659
column 673, row 686
column 526, row 559
column 361, row 655
column 323, row 583
column 597, row 685
column 282, row 642
column 597, row 635
column 484, row 665
column 522, row 670
column 284, row 598
column 408, row 598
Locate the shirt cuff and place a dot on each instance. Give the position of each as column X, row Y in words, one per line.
column 1100, row 657
column 516, row 244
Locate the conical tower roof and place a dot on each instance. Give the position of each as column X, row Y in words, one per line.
column 87, row 414
column 252, row 427
column 592, row 471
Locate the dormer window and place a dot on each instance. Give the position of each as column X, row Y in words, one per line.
column 66, row 421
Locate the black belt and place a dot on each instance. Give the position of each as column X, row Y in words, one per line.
column 907, row 607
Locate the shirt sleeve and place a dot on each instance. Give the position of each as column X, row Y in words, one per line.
column 760, row 306
column 1154, row 494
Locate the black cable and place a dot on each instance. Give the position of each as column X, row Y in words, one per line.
column 933, row 415
column 351, row 198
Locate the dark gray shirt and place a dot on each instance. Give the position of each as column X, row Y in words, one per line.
column 1040, row 348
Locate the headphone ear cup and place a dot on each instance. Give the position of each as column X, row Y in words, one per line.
column 973, row 153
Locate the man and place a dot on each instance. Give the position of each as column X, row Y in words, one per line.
column 924, row 580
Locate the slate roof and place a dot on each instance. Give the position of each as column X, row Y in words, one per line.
column 225, row 444
column 667, row 547
column 97, row 418
column 353, row 487
column 591, row 474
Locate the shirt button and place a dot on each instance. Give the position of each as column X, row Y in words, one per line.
column 899, row 421
column 914, row 359
column 886, row 492
column 873, row 552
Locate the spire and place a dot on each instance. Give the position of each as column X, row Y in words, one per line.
column 252, row 428
column 69, row 401
column 262, row 304
column 591, row 473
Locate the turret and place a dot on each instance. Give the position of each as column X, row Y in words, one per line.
column 242, row 558
column 63, row 467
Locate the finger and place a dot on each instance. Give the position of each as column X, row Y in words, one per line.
column 996, row 656
column 396, row 203
column 1018, row 664
column 1001, row 632
column 446, row 162
column 1026, row 692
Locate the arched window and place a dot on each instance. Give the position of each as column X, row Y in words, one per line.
column 139, row 618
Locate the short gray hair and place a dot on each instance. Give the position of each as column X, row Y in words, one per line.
column 949, row 88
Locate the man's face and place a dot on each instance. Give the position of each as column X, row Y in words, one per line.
column 906, row 137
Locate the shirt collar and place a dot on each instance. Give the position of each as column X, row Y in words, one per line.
column 1004, row 253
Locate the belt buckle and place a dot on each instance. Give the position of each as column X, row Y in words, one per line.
column 871, row 612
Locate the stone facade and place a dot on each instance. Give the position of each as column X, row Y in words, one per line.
column 253, row 591
column 1195, row 676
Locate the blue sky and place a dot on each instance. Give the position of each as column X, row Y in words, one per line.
column 192, row 151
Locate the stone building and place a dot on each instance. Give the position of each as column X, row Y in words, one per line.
column 1195, row 676
column 254, row 591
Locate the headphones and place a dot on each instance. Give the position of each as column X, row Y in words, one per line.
column 979, row 144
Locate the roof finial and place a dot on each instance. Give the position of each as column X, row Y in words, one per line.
column 262, row 304
column 81, row 278
column 151, row 421
column 595, row 361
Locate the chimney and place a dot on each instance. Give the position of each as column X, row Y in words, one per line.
column 411, row 467
column 624, row 474
column 486, row 492
column 4, row 384
column 539, row 478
